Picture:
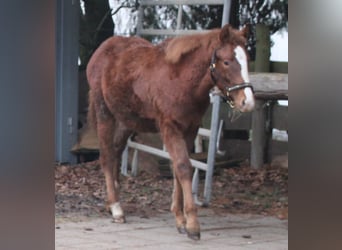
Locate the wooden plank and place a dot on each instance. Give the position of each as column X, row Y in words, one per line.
column 272, row 95
column 279, row 67
column 183, row 2
column 280, row 117
column 270, row 86
column 87, row 140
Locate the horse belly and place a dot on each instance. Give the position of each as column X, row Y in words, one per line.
column 137, row 123
column 131, row 112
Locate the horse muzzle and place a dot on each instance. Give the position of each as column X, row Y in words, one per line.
column 245, row 103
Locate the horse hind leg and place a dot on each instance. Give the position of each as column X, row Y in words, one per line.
column 121, row 134
column 105, row 133
column 112, row 138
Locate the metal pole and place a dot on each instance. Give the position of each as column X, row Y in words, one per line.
column 179, row 17
column 124, row 161
column 226, row 12
column 155, row 151
column 135, row 161
column 195, row 181
column 140, row 18
column 66, row 80
column 216, row 100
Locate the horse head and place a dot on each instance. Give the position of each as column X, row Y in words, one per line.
column 229, row 69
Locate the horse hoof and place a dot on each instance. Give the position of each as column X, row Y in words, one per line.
column 119, row 220
column 117, row 213
column 181, row 230
column 194, row 235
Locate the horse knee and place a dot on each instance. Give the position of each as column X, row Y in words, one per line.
column 183, row 171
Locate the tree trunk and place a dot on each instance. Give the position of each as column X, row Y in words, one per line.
column 96, row 25
column 234, row 17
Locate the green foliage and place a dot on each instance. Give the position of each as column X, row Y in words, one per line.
column 273, row 13
column 194, row 16
column 96, row 23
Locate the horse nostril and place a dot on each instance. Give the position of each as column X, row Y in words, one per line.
column 243, row 102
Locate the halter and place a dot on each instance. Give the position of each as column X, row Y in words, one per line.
column 228, row 99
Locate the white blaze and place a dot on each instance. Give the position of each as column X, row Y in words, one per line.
column 241, row 57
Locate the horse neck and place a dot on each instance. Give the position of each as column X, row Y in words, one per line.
column 204, row 83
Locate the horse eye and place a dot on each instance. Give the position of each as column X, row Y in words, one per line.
column 226, row 63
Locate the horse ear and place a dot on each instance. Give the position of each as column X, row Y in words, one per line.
column 225, row 33
column 245, row 30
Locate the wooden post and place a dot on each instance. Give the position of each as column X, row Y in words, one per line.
column 263, row 51
column 259, row 137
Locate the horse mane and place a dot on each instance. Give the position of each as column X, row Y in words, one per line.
column 177, row 47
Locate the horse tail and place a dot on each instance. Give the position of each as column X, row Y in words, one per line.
column 91, row 117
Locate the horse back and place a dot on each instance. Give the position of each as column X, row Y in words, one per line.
column 109, row 50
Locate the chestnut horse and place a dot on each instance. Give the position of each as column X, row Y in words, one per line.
column 136, row 86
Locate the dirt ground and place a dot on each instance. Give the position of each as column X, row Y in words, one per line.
column 80, row 191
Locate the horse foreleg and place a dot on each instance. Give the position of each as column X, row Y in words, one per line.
column 177, row 148
column 183, row 172
column 177, row 206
